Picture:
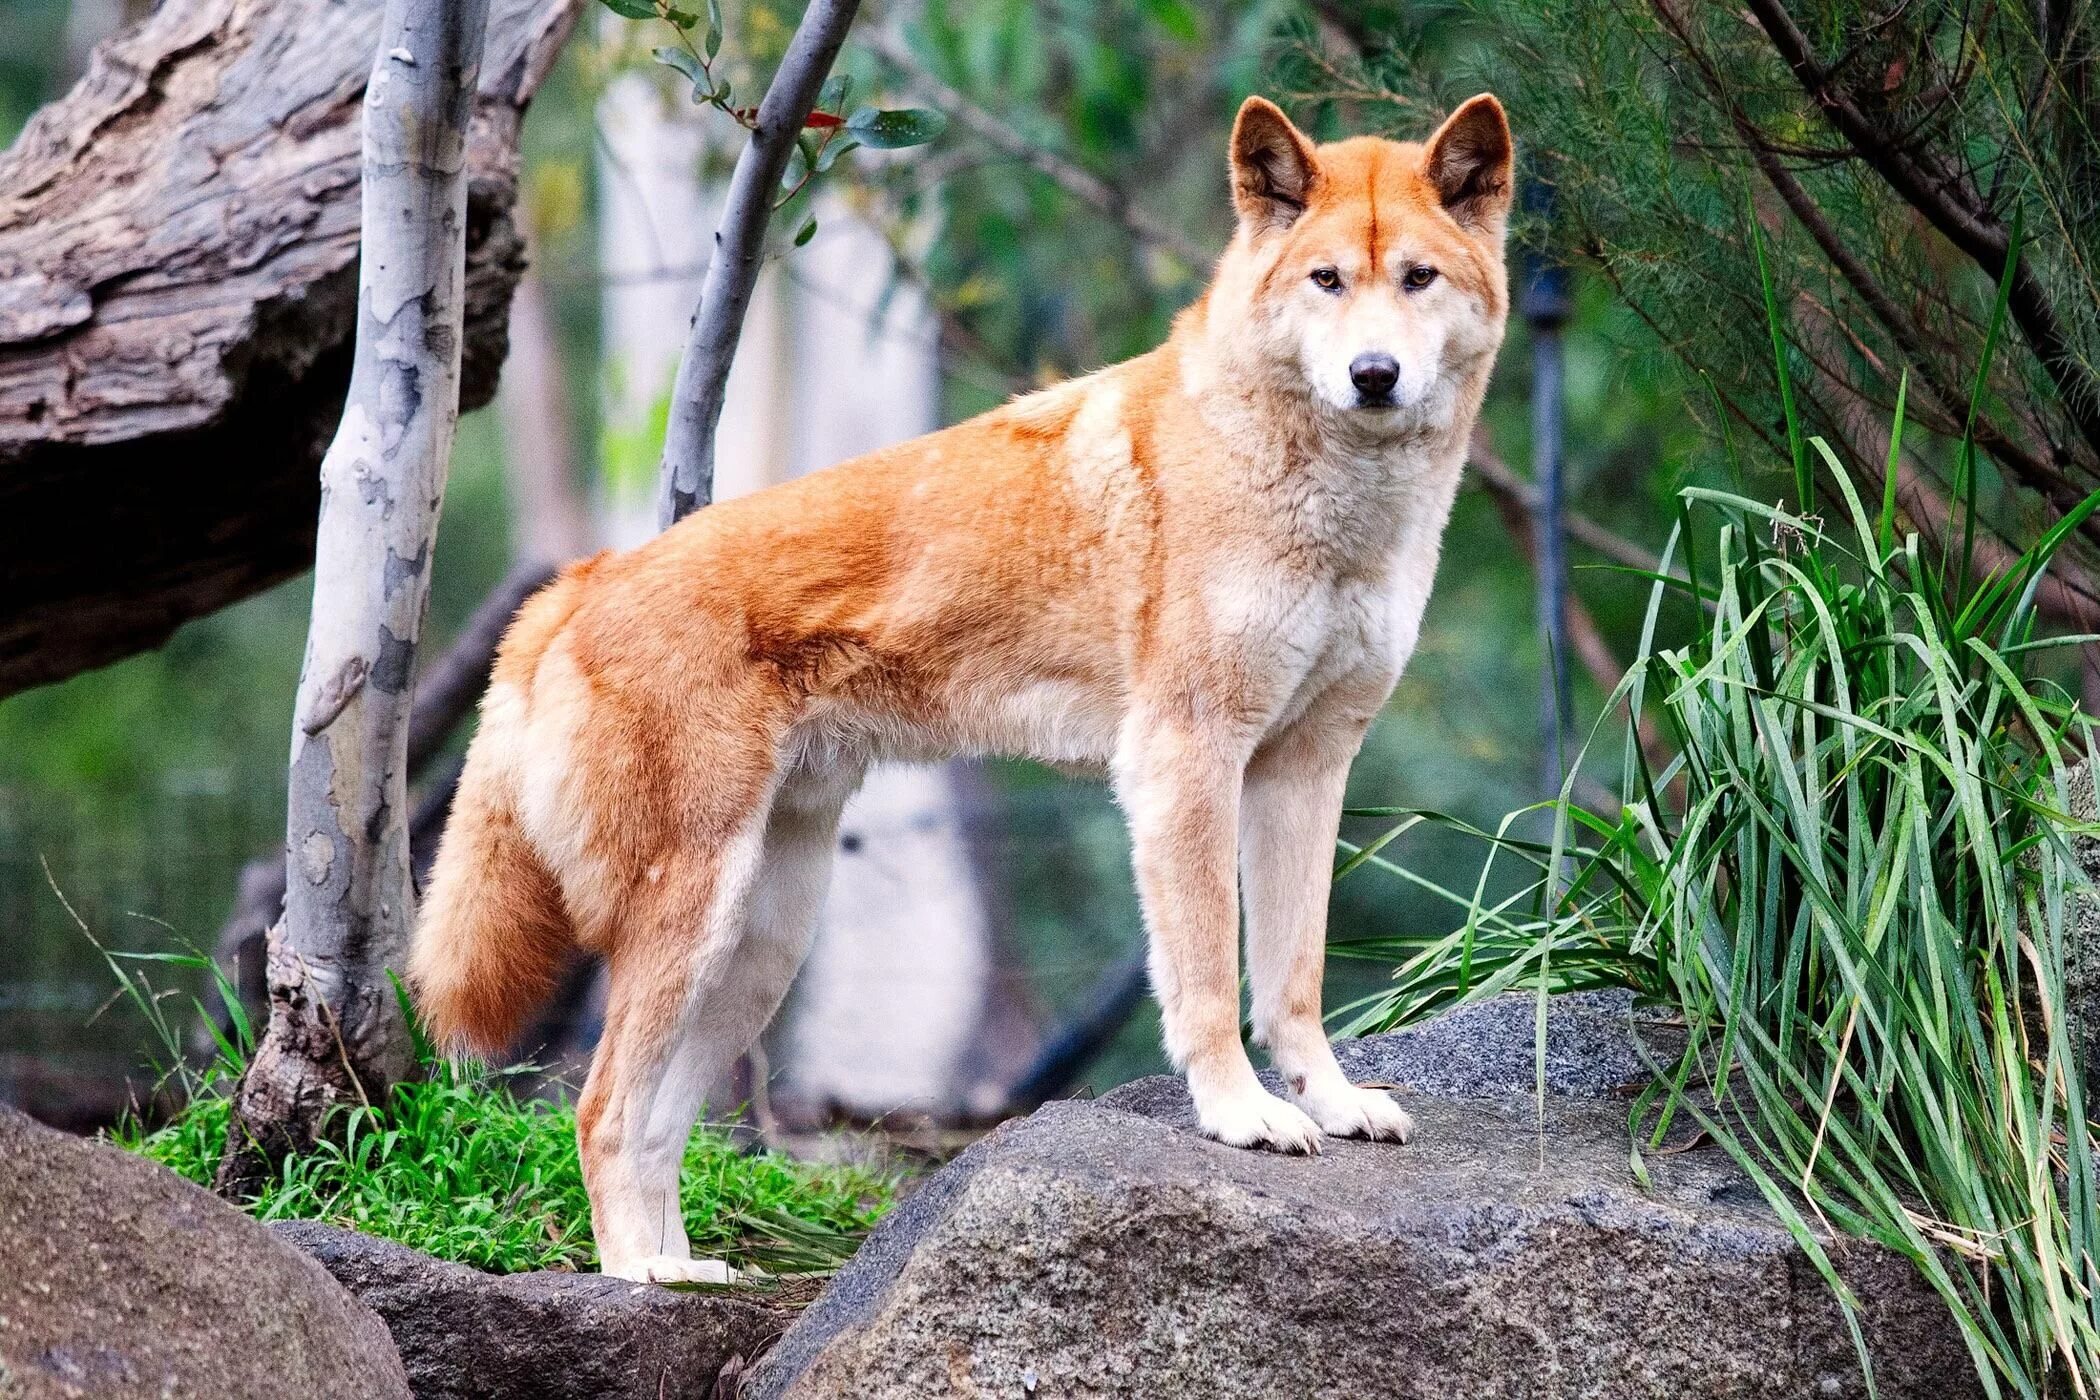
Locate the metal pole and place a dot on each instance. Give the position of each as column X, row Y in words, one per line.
column 1545, row 309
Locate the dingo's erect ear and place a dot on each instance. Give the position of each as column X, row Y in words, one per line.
column 1470, row 160
column 1273, row 167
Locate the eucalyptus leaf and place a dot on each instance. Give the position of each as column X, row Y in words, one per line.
column 684, row 64
column 631, row 9
column 798, row 166
column 806, row 232
column 837, row 147
column 713, row 43
column 895, row 128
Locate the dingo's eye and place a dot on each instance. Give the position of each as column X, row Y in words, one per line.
column 1417, row 277
column 1327, row 279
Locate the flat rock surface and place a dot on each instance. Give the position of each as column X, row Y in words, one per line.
column 1105, row 1249
column 467, row 1335
column 120, row 1279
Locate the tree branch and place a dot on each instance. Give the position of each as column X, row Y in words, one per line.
column 1068, row 176
column 1947, row 201
column 688, row 469
column 1504, row 484
column 1516, row 501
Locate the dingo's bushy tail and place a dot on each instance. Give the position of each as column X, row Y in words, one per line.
column 494, row 934
column 492, row 938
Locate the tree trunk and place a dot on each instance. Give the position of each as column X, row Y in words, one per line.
column 178, row 296
column 550, row 521
column 336, row 1033
column 687, row 473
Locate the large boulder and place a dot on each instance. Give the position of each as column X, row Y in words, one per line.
column 467, row 1335
column 1106, row 1249
column 120, row 1279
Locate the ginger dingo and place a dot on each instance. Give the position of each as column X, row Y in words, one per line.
column 1201, row 570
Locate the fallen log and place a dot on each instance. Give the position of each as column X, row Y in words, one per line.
column 178, row 290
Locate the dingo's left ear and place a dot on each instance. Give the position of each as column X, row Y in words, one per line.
column 1273, row 167
column 1470, row 160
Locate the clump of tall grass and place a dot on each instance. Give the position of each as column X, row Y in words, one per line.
column 458, row 1165
column 1851, row 875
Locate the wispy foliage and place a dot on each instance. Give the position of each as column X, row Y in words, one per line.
column 1891, row 154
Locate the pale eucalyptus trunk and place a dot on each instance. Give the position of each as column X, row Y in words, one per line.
column 336, row 1033
column 687, row 472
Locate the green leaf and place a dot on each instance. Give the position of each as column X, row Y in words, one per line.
column 896, row 128
column 631, row 9
column 682, row 19
column 837, row 88
column 685, row 65
column 806, row 232
column 1177, row 18
column 801, row 161
column 832, row 150
column 713, row 43
column 1804, row 489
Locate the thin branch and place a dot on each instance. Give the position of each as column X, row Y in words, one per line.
column 2040, row 475
column 1947, row 200
column 1060, row 170
column 1516, row 501
column 688, row 469
column 1504, row 484
column 2067, row 593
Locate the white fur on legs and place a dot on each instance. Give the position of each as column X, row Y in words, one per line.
column 1235, row 1109
column 1348, row 1110
column 1290, row 813
column 1179, row 788
column 773, row 893
column 665, row 1268
column 659, row 1081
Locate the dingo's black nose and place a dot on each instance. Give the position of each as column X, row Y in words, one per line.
column 1374, row 374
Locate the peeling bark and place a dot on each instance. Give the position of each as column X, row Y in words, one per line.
column 336, row 1034
column 178, row 295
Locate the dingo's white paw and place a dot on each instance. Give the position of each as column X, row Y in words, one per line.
column 1257, row 1118
column 664, row 1268
column 1345, row 1110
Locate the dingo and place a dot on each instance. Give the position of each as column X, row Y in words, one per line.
column 1202, row 570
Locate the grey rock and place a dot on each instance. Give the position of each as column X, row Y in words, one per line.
column 467, row 1335
column 1105, row 1249
column 120, row 1279
column 1488, row 1050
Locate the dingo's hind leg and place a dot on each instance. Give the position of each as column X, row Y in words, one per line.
column 684, row 1007
column 662, row 1050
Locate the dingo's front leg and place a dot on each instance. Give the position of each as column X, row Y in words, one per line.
column 1180, row 791
column 1291, row 815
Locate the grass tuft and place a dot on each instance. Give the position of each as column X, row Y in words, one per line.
column 1850, row 871
column 460, row 1166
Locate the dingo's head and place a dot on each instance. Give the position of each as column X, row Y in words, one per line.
column 1367, row 275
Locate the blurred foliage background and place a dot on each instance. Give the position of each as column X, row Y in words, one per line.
column 144, row 786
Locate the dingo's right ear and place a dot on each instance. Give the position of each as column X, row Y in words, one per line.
column 1470, row 160
column 1273, row 167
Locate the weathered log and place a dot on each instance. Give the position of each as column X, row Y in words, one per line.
column 178, row 290
column 336, row 1032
